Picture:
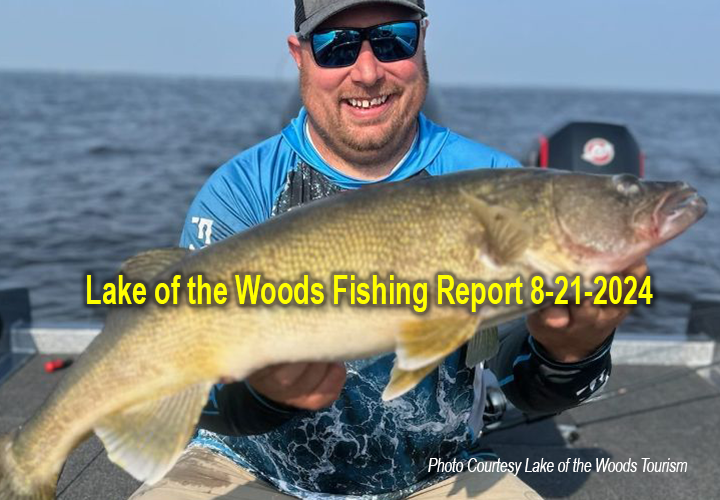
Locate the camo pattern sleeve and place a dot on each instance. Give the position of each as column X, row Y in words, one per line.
column 536, row 384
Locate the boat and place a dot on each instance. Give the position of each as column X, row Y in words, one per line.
column 662, row 401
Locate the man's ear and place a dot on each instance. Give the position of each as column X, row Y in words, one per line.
column 295, row 49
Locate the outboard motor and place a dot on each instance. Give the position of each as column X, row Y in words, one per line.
column 591, row 147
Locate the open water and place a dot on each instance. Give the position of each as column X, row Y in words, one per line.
column 94, row 169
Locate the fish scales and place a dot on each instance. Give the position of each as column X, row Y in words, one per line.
column 142, row 383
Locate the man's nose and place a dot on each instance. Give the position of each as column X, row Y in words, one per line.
column 367, row 70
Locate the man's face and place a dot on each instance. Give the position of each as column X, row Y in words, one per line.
column 328, row 93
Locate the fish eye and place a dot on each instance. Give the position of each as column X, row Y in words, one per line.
column 626, row 184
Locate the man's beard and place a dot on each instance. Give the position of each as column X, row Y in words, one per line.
column 354, row 146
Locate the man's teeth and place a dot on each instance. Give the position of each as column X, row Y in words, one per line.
column 365, row 103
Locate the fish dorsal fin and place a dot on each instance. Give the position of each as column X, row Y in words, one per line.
column 146, row 265
column 402, row 381
column 147, row 439
column 505, row 234
column 483, row 346
column 422, row 342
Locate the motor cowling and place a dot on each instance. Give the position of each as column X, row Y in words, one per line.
column 590, row 147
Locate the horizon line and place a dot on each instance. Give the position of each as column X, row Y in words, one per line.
column 284, row 80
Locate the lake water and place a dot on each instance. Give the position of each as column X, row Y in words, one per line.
column 94, row 169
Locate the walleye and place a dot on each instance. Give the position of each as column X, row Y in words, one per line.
column 142, row 384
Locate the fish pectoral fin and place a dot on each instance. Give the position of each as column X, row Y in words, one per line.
column 147, row 265
column 422, row 342
column 484, row 345
column 402, row 381
column 147, row 439
column 505, row 234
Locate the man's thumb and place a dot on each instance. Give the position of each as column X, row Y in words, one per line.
column 555, row 317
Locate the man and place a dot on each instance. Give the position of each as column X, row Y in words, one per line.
column 317, row 430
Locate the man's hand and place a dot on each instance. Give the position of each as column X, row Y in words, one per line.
column 309, row 386
column 572, row 333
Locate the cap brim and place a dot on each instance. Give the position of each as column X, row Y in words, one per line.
column 317, row 18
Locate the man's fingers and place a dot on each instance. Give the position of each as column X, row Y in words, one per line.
column 309, row 386
column 631, row 282
column 309, row 380
column 553, row 317
column 329, row 388
column 287, row 374
column 585, row 313
column 277, row 380
column 571, row 333
column 639, row 269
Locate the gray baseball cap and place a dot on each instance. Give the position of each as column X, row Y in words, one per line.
column 309, row 14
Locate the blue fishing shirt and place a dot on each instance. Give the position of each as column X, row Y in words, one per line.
column 360, row 446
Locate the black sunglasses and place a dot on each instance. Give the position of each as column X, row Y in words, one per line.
column 340, row 47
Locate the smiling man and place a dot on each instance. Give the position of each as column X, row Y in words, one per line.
column 362, row 114
column 321, row 430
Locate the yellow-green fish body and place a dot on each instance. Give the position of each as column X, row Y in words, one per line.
column 142, row 384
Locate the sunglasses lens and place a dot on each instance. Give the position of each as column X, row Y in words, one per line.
column 336, row 48
column 390, row 42
column 394, row 42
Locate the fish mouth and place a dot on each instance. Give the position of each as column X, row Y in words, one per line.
column 679, row 210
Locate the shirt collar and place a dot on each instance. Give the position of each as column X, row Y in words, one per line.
column 428, row 143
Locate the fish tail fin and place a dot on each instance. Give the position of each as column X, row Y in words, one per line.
column 15, row 485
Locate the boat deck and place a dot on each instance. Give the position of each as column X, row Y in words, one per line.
column 677, row 418
column 88, row 474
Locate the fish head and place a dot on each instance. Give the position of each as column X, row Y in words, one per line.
column 608, row 222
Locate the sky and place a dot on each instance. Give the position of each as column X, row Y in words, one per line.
column 655, row 45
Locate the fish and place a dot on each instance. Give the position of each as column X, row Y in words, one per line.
column 142, row 383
